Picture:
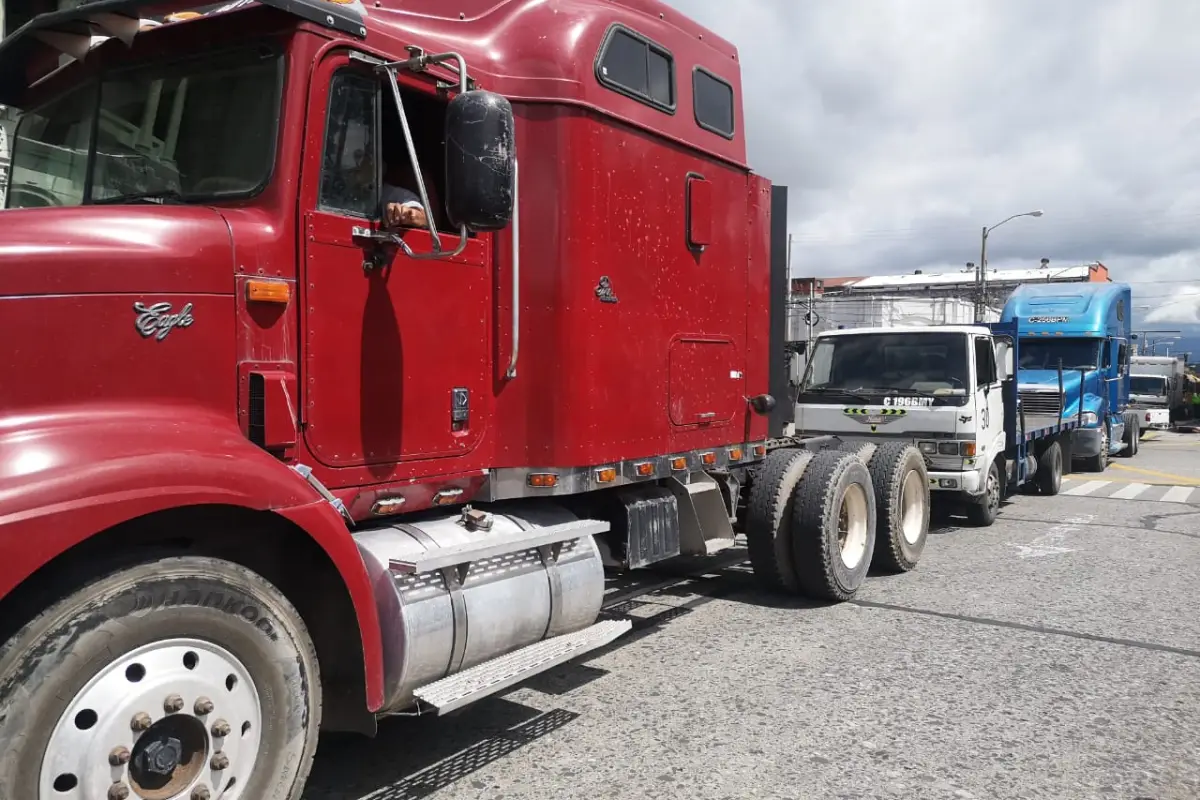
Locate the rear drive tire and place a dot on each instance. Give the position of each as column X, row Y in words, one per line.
column 833, row 526
column 231, row 695
column 902, row 504
column 769, row 519
column 1049, row 471
column 983, row 513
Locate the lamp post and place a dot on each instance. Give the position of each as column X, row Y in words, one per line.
column 981, row 270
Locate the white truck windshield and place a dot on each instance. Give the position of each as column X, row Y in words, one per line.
column 919, row 363
column 1148, row 385
column 194, row 130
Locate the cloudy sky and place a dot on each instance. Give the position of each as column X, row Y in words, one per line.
column 904, row 126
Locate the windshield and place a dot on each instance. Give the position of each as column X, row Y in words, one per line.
column 1046, row 353
column 1145, row 384
column 200, row 129
column 897, row 363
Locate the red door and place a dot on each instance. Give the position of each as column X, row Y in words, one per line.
column 396, row 350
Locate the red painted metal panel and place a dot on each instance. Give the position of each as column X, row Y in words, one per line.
column 705, row 381
column 758, row 301
column 110, row 249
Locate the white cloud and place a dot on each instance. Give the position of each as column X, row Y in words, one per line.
column 903, row 126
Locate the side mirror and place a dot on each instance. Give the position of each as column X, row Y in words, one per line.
column 1004, row 360
column 480, row 161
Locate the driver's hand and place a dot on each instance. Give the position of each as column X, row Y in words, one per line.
column 396, row 215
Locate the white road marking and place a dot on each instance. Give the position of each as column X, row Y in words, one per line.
column 1048, row 544
column 1177, row 494
column 1084, row 488
column 1129, row 491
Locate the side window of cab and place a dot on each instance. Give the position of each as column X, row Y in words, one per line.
column 985, row 363
column 349, row 164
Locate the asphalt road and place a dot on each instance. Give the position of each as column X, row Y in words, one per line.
column 1053, row 655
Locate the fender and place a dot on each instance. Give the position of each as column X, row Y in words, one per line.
column 68, row 474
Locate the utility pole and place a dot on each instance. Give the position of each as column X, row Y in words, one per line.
column 981, row 270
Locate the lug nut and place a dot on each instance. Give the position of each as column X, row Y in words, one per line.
column 173, row 703
column 219, row 761
column 220, row 728
column 203, row 706
column 140, row 722
column 118, row 791
column 118, row 756
column 201, row 793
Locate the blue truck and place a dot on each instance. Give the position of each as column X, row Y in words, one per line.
column 1073, row 363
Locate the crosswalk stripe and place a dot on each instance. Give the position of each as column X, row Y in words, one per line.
column 1130, row 491
column 1122, row 490
column 1084, row 488
column 1178, row 494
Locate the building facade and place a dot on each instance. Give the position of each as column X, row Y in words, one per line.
column 917, row 298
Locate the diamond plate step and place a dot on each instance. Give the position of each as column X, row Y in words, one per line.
column 490, row 546
column 490, row 677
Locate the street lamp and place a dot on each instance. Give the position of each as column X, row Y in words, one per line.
column 981, row 271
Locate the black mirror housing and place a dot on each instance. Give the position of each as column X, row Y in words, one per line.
column 480, row 161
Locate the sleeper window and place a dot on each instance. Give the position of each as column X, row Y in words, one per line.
column 634, row 66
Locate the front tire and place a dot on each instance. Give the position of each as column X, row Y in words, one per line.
column 165, row 677
column 984, row 512
column 1132, row 436
column 1099, row 462
column 1050, row 471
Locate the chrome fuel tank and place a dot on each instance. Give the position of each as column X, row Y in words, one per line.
column 437, row 623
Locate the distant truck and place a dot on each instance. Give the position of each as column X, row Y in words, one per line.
column 1075, row 348
column 1157, row 383
column 951, row 391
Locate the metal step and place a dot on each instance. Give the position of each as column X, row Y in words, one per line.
column 717, row 545
column 490, row 677
column 490, row 546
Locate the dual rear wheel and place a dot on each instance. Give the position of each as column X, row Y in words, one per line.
column 817, row 522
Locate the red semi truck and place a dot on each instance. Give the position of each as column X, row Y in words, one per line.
column 268, row 468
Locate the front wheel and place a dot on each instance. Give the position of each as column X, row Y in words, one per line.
column 1099, row 462
column 179, row 678
column 1131, row 438
column 983, row 512
column 1050, row 470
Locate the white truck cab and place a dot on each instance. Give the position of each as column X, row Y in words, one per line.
column 939, row 387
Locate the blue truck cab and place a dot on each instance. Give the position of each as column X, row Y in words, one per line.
column 1084, row 328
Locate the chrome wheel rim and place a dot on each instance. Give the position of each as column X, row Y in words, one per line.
column 852, row 526
column 912, row 507
column 174, row 720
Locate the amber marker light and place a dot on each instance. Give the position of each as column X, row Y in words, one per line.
column 543, row 480
column 268, row 291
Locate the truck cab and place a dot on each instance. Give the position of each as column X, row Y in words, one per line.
column 1084, row 330
column 937, row 386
